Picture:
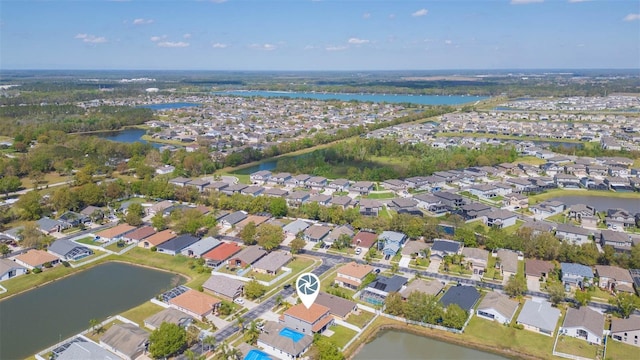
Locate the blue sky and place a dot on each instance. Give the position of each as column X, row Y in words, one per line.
column 319, row 35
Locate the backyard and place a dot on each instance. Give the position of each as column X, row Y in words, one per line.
column 361, row 319
column 341, row 335
column 578, row 347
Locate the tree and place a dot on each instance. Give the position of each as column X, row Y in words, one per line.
column 9, row 184
column 252, row 334
column 96, row 326
column 278, row 207
column 209, row 341
column 29, row 206
column 626, row 304
column 454, row 317
column 134, row 214
column 241, row 322
column 343, row 241
column 254, row 289
column 326, row 349
column 582, row 297
column 297, row 244
column 516, row 286
column 556, row 293
column 167, row 340
column 394, row 305
column 248, row 233
column 31, row 236
column 4, row 249
column 190, row 221
column 269, row 236
column 158, row 221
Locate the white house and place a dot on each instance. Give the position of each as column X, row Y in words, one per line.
column 583, row 323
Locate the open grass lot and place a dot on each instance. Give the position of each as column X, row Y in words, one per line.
column 262, row 276
column 361, row 319
column 573, row 346
column 531, row 160
column 87, row 241
column 382, row 195
column 176, row 264
column 620, row 351
column 341, row 335
column 141, row 312
column 48, row 179
column 549, row 194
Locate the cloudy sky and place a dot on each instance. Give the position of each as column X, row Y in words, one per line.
column 319, row 35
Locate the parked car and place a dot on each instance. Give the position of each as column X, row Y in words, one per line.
column 358, row 251
column 239, row 301
column 286, row 286
column 377, row 271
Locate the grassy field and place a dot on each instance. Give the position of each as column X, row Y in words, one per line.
column 361, row 319
column 341, row 335
column 175, row 264
column 620, row 351
column 573, row 346
column 48, row 179
column 141, row 312
column 534, row 199
column 382, row 195
column 87, row 240
column 531, row 160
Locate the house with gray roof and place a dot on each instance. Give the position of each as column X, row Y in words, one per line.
column 126, row 340
column 252, row 190
column 201, row 247
column 614, row 278
column 224, row 287
column 272, row 262
column 337, row 232
column 429, row 287
column 339, row 307
column 362, row 187
column 620, row 241
column 233, row 189
column 478, row 259
column 539, row 317
column 370, row 207
column 339, row 185
column 247, row 256
column 199, row 184
column 316, row 233
column 169, row 315
column 342, row 201
column 573, row 234
column 443, row 247
column 295, row 227
column 499, row 218
column 497, row 307
column 49, row 226
column 626, row 330
column 80, row 349
column 230, row 220
column 321, row 199
column 462, row 295
column 10, row 269
column 68, row 250
column 583, row 323
column 576, row 275
column 298, row 198
column 390, row 242
column 176, row 245
column 377, row 291
column 275, row 192
column 508, row 262
column 279, row 178
column 289, row 347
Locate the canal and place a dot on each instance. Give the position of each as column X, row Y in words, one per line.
column 400, row 345
column 601, row 203
column 39, row 318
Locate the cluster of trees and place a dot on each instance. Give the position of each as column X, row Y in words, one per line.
column 425, row 308
column 268, row 236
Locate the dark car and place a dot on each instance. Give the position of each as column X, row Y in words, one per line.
column 377, row 271
column 286, row 286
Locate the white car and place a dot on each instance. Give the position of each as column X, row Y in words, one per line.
column 358, row 251
column 239, row 301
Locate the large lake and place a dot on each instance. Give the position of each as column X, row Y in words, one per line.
column 401, row 345
column 377, row 98
column 601, row 203
column 39, row 318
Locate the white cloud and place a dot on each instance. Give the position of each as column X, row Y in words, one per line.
column 266, row 46
column 335, row 48
column 421, row 12
column 142, row 21
column 186, row 36
column 366, row 15
column 357, row 41
column 219, row 46
column 92, row 39
column 632, row 17
column 158, row 38
column 171, row 44
column 522, row 2
column 448, row 42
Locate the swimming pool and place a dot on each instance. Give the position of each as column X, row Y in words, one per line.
column 257, row 355
column 292, row 334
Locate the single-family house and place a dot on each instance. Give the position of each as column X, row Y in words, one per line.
column 464, row 296
column 233, row 189
column 49, row 226
column 430, row 203
column 390, row 242
column 272, row 262
column 252, row 191
column 159, row 207
column 216, row 186
column 538, row 269
column 260, row 177
column 573, row 234
column 415, row 248
column 168, row 315
column 620, row 241
column 316, row 182
column 443, row 247
column 477, row 258
column 626, row 330
column 576, row 275
column 497, row 307
column 376, row 292
column 299, row 180
column 316, row 233
column 195, row 303
column 94, row 213
column 539, row 317
column 339, row 308
column 199, row 248
column 321, row 199
column 578, row 211
column 126, row 340
column 279, row 178
column 68, row 250
column 583, row 323
column 165, row 169
column 36, row 259
column 507, row 260
column 199, row 184
column 221, row 253
column 499, row 218
column 157, row 239
column 298, row 198
column 230, row 220
column 179, row 181
column 516, row 201
column 10, row 269
column 139, row 234
column 295, row 227
column 352, row 275
column 453, row 201
column 339, row 185
column 483, row 191
column 370, row 207
column 79, row 348
column 114, row 233
column 394, row 184
column 474, row 210
column 224, row 287
column 342, row 230
column 429, row 287
column 246, row 257
column 177, row 244
column 275, row 192
column 341, row 201
column 276, row 338
column 619, row 219
column 315, row 319
column 364, row 239
column 74, row 219
column 399, row 204
column 613, row 278
column 546, row 209
column 361, row 187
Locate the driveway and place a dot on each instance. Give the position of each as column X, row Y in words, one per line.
column 404, row 261
column 434, row 265
column 533, row 284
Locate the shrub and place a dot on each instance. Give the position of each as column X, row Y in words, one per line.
column 47, row 265
column 65, row 264
column 37, row 270
column 153, row 248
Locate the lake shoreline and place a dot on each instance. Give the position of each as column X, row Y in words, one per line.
column 359, row 344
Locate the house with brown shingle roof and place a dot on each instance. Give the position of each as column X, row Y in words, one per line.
column 626, row 330
column 614, row 278
column 432, row 287
column 352, row 275
column 315, row 319
column 256, row 219
column 583, row 323
column 36, row 259
column 538, row 269
column 497, row 307
column 246, row 257
column 339, row 307
column 115, row 232
column 364, row 239
column 195, row 303
column 140, row 233
column 157, row 239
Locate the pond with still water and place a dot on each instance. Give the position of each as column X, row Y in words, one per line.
column 36, row 319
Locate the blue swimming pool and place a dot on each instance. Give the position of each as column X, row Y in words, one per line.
column 292, row 334
column 257, row 355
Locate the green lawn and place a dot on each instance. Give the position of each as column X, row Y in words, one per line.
column 455, row 269
column 550, row 194
column 326, row 285
column 29, row 281
column 382, row 195
column 141, row 312
column 492, row 273
column 87, row 240
column 573, row 346
column 176, row 264
column 96, row 253
column 361, row 319
column 620, row 351
column 341, row 335
column 508, row 338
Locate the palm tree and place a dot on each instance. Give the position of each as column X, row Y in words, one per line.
column 241, row 321
column 252, row 334
column 279, row 300
column 234, row 354
column 209, row 341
